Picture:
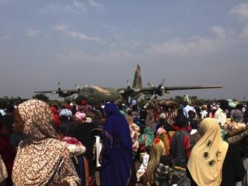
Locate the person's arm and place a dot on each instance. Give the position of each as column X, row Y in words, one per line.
column 68, row 174
column 76, row 149
column 187, row 146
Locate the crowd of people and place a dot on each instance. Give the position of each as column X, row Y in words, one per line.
column 116, row 144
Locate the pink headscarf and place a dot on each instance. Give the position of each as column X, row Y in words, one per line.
column 80, row 115
column 161, row 130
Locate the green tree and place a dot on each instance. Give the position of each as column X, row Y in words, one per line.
column 179, row 99
column 41, row 97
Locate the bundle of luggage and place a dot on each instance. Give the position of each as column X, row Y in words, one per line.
column 236, row 131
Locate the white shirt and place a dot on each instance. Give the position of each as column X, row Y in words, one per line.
column 204, row 114
column 144, row 164
column 220, row 115
column 186, row 110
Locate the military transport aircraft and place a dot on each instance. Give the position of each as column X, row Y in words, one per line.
column 99, row 94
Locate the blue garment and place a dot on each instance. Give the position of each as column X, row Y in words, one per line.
column 117, row 149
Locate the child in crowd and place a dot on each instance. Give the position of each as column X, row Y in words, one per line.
column 162, row 172
column 143, row 167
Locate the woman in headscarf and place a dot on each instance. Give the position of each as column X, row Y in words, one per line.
column 117, row 149
column 158, row 149
column 162, row 134
column 7, row 152
column 82, row 130
column 214, row 162
column 77, row 150
column 3, row 173
column 41, row 159
column 146, row 138
column 56, row 118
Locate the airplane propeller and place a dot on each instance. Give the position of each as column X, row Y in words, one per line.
column 162, row 82
column 150, row 85
column 159, row 90
column 64, row 93
column 59, row 92
column 128, row 83
column 78, row 88
column 127, row 92
column 154, row 97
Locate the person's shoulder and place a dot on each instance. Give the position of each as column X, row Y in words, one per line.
column 233, row 151
column 233, row 147
column 57, row 144
column 49, row 142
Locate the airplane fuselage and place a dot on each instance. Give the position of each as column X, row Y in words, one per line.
column 96, row 94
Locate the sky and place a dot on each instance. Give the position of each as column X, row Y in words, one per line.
column 100, row 42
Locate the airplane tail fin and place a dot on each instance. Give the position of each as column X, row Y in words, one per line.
column 137, row 80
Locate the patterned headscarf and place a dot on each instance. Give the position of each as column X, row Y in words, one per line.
column 40, row 153
column 206, row 159
column 38, row 119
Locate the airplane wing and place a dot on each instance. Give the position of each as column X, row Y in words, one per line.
column 72, row 91
column 160, row 90
column 190, row 87
column 46, row 92
column 61, row 93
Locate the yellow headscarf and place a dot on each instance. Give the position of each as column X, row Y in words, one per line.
column 208, row 154
column 154, row 158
